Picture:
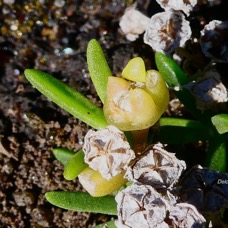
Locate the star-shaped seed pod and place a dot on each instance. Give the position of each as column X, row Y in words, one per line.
column 186, row 215
column 157, row 167
column 141, row 206
column 167, row 31
column 182, row 5
column 214, row 42
column 208, row 90
column 107, row 151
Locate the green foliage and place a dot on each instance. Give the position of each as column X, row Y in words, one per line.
column 81, row 201
column 217, row 154
column 67, row 98
column 63, row 155
column 181, row 131
column 98, row 68
column 75, row 166
column 220, row 122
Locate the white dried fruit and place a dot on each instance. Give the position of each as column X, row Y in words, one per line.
column 141, row 206
column 167, row 31
column 157, row 167
column 107, row 151
column 184, row 5
column 133, row 23
column 186, row 215
column 208, row 90
column 214, row 40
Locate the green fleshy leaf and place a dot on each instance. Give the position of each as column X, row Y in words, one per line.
column 63, row 155
column 98, row 68
column 67, row 98
column 217, row 154
column 81, row 201
column 170, row 71
column 181, row 131
column 75, row 166
column 220, row 122
column 110, row 224
column 175, row 77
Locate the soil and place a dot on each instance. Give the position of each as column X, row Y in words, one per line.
column 51, row 36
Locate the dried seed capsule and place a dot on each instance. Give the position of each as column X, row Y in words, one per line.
column 133, row 23
column 214, row 40
column 141, row 206
column 186, row 215
column 185, row 6
column 208, row 90
column 207, row 190
column 157, row 168
column 107, row 151
column 167, row 31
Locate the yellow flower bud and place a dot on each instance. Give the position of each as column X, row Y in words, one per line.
column 136, row 104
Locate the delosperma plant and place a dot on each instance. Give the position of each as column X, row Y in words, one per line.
column 122, row 174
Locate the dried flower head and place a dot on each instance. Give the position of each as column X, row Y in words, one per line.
column 107, row 151
column 184, row 5
column 206, row 189
column 157, row 168
column 167, row 31
column 186, row 215
column 208, row 90
column 141, row 206
column 133, row 23
column 214, row 40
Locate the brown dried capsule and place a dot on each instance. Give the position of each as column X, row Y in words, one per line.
column 208, row 90
column 133, row 23
column 141, row 206
column 157, row 168
column 186, row 215
column 107, row 151
column 214, row 40
column 184, row 5
column 167, row 31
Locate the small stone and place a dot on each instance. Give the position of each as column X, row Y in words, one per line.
column 133, row 23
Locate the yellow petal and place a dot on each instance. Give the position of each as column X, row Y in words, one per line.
column 135, row 70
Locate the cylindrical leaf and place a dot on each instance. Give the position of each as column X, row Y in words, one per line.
column 63, row 155
column 98, row 68
column 220, row 122
column 75, row 166
column 217, row 154
column 81, row 201
column 67, row 98
column 171, row 72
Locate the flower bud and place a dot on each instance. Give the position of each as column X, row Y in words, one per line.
column 136, row 103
